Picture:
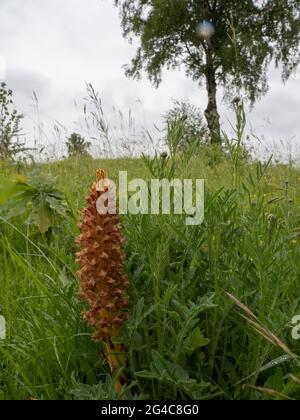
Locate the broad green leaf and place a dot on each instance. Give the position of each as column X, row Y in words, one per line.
column 42, row 218
column 57, row 205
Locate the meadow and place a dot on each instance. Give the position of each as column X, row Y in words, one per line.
column 210, row 306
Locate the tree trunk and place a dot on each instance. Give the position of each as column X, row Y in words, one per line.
column 211, row 113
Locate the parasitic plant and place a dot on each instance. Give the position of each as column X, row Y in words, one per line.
column 103, row 283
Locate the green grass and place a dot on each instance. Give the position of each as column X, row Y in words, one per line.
column 185, row 338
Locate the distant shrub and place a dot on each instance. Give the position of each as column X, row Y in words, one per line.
column 77, row 145
column 191, row 120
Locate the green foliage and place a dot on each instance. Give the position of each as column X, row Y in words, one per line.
column 166, row 165
column 184, row 339
column 47, row 351
column 102, row 391
column 10, row 121
column 39, row 199
column 248, row 35
column 174, row 376
column 192, row 122
column 77, row 146
column 235, row 147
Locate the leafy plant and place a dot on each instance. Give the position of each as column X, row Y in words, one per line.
column 173, row 375
column 39, row 199
column 102, row 391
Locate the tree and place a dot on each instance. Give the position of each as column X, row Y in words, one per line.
column 77, row 146
column 10, row 130
column 233, row 46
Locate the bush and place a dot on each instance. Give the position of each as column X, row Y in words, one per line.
column 77, row 146
column 191, row 119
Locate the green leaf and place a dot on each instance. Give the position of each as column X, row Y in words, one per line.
column 171, row 373
column 42, row 218
column 194, row 390
column 57, row 206
column 168, row 370
column 147, row 375
column 195, row 341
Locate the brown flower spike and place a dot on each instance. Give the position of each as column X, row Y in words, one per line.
column 103, row 284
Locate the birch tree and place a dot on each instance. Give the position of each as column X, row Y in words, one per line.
column 228, row 43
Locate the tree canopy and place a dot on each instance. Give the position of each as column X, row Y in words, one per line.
column 248, row 36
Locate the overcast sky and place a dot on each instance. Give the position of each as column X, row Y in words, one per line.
column 53, row 47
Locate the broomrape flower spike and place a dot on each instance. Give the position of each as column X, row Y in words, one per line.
column 103, row 284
